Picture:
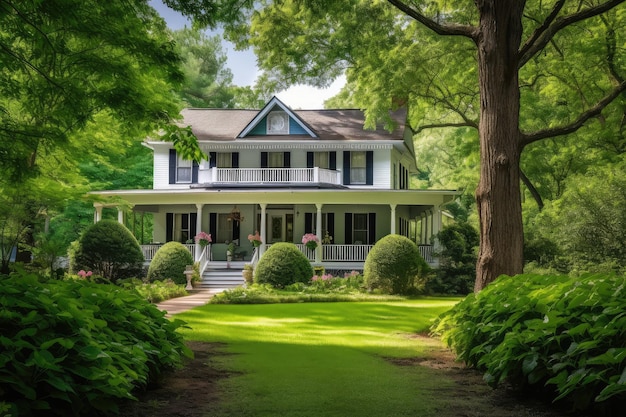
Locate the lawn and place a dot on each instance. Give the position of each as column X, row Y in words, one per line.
column 324, row 359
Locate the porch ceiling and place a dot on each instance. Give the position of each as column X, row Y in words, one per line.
column 283, row 196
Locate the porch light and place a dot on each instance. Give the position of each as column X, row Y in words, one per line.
column 235, row 215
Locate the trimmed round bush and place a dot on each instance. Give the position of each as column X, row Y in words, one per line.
column 169, row 262
column 109, row 250
column 283, row 264
column 394, row 265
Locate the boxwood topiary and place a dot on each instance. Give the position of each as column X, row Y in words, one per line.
column 169, row 262
column 283, row 264
column 394, row 266
column 109, row 250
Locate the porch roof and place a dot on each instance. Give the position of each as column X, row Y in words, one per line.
column 283, row 196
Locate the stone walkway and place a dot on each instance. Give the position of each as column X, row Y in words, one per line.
column 180, row 304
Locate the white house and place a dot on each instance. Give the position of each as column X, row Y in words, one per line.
column 284, row 173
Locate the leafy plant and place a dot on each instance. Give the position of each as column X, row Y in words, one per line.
column 283, row 264
column 156, row 291
column 457, row 260
column 109, row 250
column 169, row 262
column 394, row 266
column 73, row 347
column 556, row 331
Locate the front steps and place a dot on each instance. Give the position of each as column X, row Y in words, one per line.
column 220, row 276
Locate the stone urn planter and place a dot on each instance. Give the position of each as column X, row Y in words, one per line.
column 248, row 274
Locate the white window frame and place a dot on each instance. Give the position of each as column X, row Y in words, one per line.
column 183, row 170
column 358, row 172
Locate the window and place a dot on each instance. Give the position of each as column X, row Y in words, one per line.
column 360, row 231
column 180, row 227
column 224, row 160
column 358, row 165
column 275, row 159
column 277, row 123
column 224, row 229
column 183, row 169
column 321, row 160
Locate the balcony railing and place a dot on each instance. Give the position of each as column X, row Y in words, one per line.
column 271, row 175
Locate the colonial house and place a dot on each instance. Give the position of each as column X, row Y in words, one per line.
column 284, row 173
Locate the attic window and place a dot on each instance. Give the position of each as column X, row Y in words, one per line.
column 277, row 123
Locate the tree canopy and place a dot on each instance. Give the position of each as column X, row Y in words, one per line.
column 519, row 72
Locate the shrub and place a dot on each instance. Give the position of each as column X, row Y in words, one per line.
column 157, row 291
column 169, row 262
column 283, row 264
column 109, row 250
column 539, row 331
column 457, row 268
column 394, row 265
column 74, row 347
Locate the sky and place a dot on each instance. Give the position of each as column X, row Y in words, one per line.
column 243, row 66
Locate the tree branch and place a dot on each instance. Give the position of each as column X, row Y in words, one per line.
column 440, row 125
column 545, row 33
column 533, row 190
column 528, row 138
column 447, row 30
column 542, row 28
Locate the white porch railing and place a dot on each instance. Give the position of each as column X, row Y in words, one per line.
column 330, row 253
column 151, row 249
column 274, row 175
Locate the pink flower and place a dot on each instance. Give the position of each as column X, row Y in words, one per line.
column 203, row 238
column 255, row 239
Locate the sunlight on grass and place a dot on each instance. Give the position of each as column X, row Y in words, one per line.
column 320, row 359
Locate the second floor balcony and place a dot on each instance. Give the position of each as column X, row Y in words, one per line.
column 270, row 175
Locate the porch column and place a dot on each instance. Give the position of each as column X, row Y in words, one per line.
column 263, row 229
column 97, row 215
column 318, row 228
column 392, row 229
column 198, row 248
column 120, row 215
column 436, row 222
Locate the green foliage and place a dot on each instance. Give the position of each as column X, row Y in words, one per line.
column 394, row 266
column 109, row 250
column 156, row 291
column 541, row 330
column 348, row 289
column 169, row 262
column 457, row 260
column 73, row 348
column 281, row 265
column 587, row 224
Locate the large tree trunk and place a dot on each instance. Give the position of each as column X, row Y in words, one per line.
column 498, row 194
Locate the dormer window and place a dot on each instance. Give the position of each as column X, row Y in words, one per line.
column 277, row 123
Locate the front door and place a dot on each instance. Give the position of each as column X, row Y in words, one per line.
column 279, row 226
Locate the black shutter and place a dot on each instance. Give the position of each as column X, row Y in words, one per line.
column 309, row 160
column 369, row 167
column 263, row 159
column 172, row 166
column 348, row 227
column 169, row 227
column 332, row 160
column 236, row 230
column 346, row 167
column 193, row 222
column 213, row 226
column 372, row 228
column 194, row 172
column 235, row 159
column 330, row 225
column 287, row 160
column 212, row 159
column 308, row 222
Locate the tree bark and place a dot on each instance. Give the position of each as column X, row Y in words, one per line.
column 498, row 194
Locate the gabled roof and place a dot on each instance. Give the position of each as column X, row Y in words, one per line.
column 315, row 125
column 271, row 106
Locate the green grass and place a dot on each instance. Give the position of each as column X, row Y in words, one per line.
column 321, row 359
